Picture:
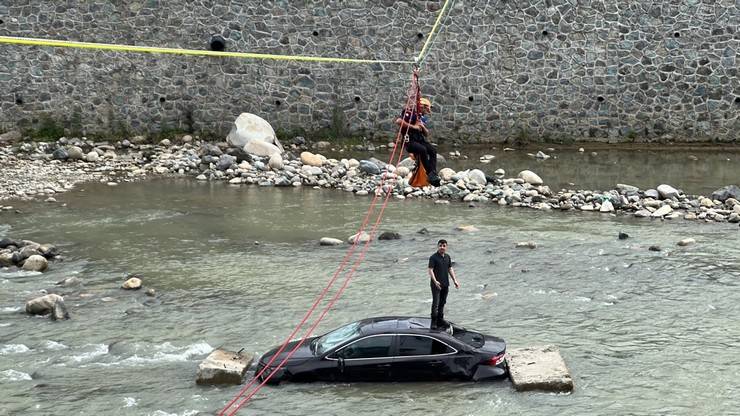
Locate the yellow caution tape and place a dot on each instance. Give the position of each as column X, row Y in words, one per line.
column 176, row 51
column 441, row 14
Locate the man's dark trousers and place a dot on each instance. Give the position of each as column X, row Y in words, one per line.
column 439, row 298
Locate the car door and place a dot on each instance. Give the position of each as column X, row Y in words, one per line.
column 423, row 358
column 366, row 359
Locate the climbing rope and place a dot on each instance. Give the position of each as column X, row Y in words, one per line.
column 411, row 105
column 12, row 40
column 434, row 32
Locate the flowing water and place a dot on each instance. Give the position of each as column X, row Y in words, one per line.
column 642, row 332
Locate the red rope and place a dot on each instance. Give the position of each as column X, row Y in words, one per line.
column 413, row 90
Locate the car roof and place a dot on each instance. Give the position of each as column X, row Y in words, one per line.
column 395, row 324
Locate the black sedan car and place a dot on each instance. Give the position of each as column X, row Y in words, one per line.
column 391, row 349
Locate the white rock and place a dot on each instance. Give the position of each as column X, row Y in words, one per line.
column 249, row 127
column 92, row 156
column 276, row 162
column 686, row 242
column 223, row 367
column 664, row 210
column 500, row 173
column 75, row 153
column 328, row 241
column 35, row 263
column 606, row 206
column 260, row 148
column 538, row 368
column 310, row 159
column 165, row 143
column 402, row 172
column 530, row 177
column 446, row 174
column 201, row 177
column 235, row 181
column 133, row 283
column 477, row 176
column 364, row 237
column 466, row 228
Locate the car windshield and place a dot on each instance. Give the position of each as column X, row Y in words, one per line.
column 336, row 337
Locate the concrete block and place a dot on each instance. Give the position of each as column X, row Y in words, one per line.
column 223, row 367
column 539, row 368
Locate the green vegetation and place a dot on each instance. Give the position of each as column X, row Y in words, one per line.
column 48, row 130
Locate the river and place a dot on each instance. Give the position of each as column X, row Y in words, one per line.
column 643, row 332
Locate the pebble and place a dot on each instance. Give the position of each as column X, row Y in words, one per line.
column 29, row 176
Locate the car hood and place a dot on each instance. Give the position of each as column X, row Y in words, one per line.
column 301, row 354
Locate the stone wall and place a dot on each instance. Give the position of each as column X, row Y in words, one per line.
column 548, row 69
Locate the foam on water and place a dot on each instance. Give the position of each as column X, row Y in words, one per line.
column 7, row 349
column 97, row 350
column 10, row 309
column 54, row 346
column 163, row 413
column 169, row 353
column 14, row 375
column 129, row 402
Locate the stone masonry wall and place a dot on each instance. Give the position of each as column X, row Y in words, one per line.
column 558, row 69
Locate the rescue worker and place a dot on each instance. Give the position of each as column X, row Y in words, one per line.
column 417, row 130
column 440, row 270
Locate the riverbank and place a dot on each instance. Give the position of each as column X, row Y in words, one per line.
column 40, row 170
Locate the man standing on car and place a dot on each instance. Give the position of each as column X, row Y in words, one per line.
column 440, row 269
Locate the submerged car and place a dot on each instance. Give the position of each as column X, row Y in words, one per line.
column 391, row 349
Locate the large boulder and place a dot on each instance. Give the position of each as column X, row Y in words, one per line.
column 249, row 127
column 223, row 367
column 260, row 148
column 35, row 263
column 530, row 177
column 48, row 304
column 727, row 192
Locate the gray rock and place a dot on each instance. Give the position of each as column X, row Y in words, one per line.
column 662, row 211
column 369, row 167
column 654, row 248
column 539, row 368
column 75, row 153
column 10, row 137
column 643, row 213
column 389, row 235
column 627, row 188
column 6, row 259
column 48, row 304
column 526, row 244
column 724, row 193
column 225, row 162
column 623, row 236
column 223, row 367
column 652, row 193
column 69, row 282
column 35, row 263
column 477, row 176
column 60, row 154
column 667, row 191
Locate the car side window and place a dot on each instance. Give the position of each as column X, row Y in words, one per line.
column 409, row 345
column 370, row 347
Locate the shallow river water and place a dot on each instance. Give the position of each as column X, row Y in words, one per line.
column 642, row 332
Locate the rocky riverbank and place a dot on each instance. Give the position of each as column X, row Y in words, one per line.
column 40, row 170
